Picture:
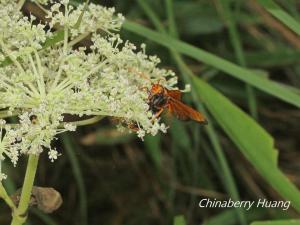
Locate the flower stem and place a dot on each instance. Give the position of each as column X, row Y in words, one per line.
column 6, row 198
column 20, row 215
column 89, row 121
column 20, row 4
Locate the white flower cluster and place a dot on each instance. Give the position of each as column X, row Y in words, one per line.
column 42, row 84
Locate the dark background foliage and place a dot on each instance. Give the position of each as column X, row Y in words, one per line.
column 112, row 178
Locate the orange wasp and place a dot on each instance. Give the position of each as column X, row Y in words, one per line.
column 161, row 98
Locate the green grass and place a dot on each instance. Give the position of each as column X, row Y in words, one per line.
column 281, row 15
column 279, row 222
column 244, row 131
column 248, row 76
column 70, row 148
column 235, row 40
column 227, row 177
column 240, row 128
column 123, row 180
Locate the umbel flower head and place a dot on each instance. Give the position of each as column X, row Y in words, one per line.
column 41, row 84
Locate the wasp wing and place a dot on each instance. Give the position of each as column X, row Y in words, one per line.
column 176, row 94
column 184, row 112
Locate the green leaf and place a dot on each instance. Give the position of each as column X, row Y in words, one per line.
column 58, row 36
column 230, row 68
column 86, row 5
column 278, row 222
column 251, row 139
column 281, row 15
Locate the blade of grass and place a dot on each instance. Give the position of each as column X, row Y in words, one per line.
column 201, row 164
column 8, row 183
column 274, row 9
column 253, row 141
column 70, row 148
column 238, row 49
column 276, row 58
column 232, row 69
column 279, row 222
column 253, row 133
column 228, row 217
column 171, row 18
column 47, row 220
column 278, row 28
column 226, row 177
column 225, row 174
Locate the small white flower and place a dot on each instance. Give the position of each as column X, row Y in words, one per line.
column 70, row 127
column 187, row 88
column 2, row 176
column 163, row 128
column 141, row 133
column 53, row 154
column 2, row 122
column 7, row 149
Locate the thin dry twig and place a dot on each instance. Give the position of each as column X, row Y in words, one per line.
column 198, row 191
column 289, row 35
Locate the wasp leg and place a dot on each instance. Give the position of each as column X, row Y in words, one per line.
column 158, row 113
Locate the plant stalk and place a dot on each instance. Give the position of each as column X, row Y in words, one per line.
column 20, row 214
column 6, row 198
